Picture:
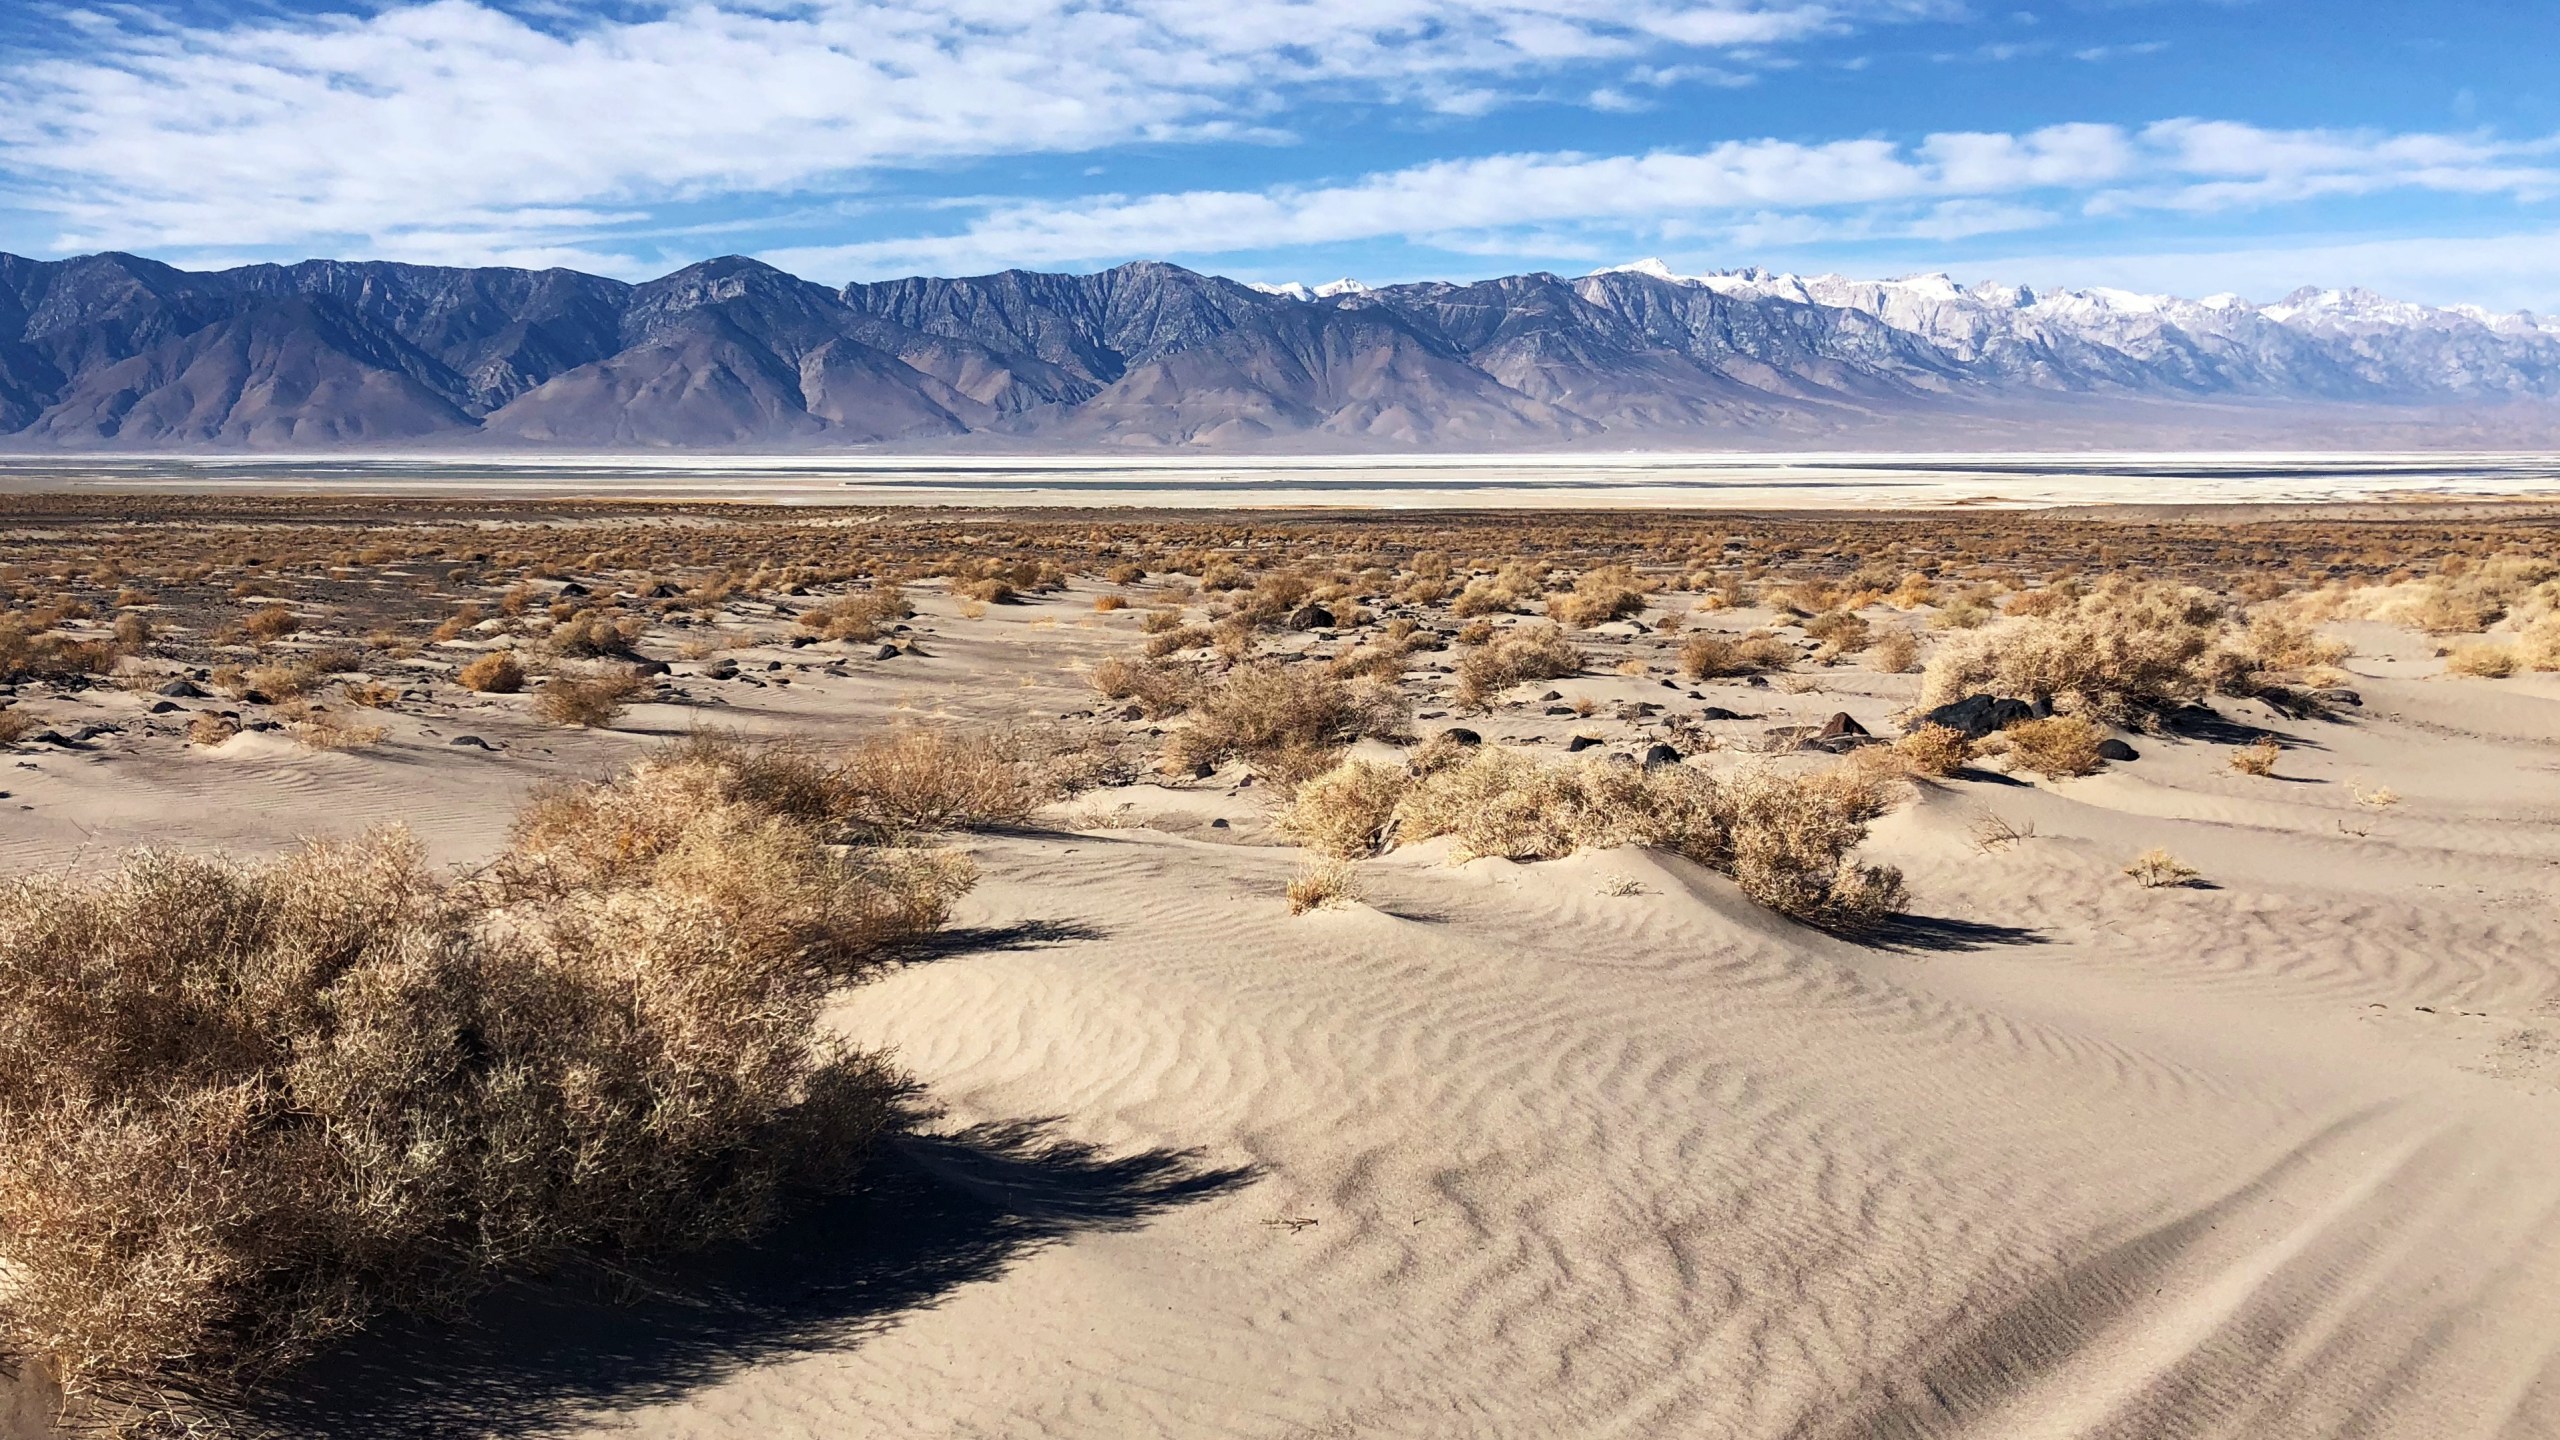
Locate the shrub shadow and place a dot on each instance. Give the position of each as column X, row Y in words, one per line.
column 1918, row 933
column 971, row 939
column 934, row 1213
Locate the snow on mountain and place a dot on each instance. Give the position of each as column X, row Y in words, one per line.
column 1295, row 290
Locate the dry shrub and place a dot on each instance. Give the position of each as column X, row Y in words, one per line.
column 1609, row 593
column 2057, row 746
column 593, row 635
column 1895, row 652
column 460, row 623
column 1935, row 750
column 273, row 622
column 1323, row 884
column 1840, row 632
column 2155, row 869
column 16, row 725
column 289, row 681
column 863, row 616
column 1540, row 653
column 2258, row 759
column 32, row 652
column 1786, row 840
column 371, row 694
column 2538, row 643
column 133, row 633
column 1711, row 657
column 319, row 729
column 210, row 729
column 585, row 700
column 1105, row 604
column 1285, row 719
column 2485, row 659
column 1161, row 643
column 243, row 1107
column 1158, row 688
column 2279, row 642
column 916, row 781
column 1346, row 811
column 496, row 673
column 2119, row 649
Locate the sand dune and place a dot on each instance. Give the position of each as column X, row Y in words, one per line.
column 1596, row 1147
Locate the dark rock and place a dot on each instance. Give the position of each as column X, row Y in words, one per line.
column 1660, row 754
column 1203, row 770
column 1841, row 723
column 802, row 642
column 1717, row 712
column 721, row 670
column 1552, row 695
column 660, row 591
column 255, row 697
column 470, row 742
column 773, row 665
column 2113, row 749
column 1578, row 744
column 1220, row 823
column 650, row 667
column 1841, row 744
column 181, row 690
column 1560, row 710
column 2338, row 696
column 1461, row 735
column 573, row 588
column 163, row 707
column 1977, row 716
column 1311, row 617
column 1134, row 712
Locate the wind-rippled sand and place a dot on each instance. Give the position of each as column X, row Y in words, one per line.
column 1507, row 1152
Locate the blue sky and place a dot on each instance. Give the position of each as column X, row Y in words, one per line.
column 2192, row 146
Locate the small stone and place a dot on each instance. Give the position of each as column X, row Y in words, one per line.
column 1134, row 712
column 163, row 707
column 2114, row 749
column 1552, row 695
column 1659, row 754
column 650, row 667
column 181, row 690
column 885, row 652
column 1311, row 617
column 1842, row 723
column 1461, row 735
column 1203, row 770
column 470, row 742
column 1578, row 744
column 1717, row 712
column 1218, row 824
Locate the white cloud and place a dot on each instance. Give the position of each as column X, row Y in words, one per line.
column 372, row 126
column 1753, row 192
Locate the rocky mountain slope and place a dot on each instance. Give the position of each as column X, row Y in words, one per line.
column 121, row 353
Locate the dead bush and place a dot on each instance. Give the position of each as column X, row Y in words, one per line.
column 1284, row 717
column 496, row 673
column 244, row 1107
column 1160, row 689
column 917, row 781
column 211, row 729
column 2157, row 869
column 864, row 616
column 1935, row 750
column 272, row 622
column 1345, row 811
column 16, row 725
column 589, row 701
column 1323, row 884
column 317, row 728
column 2057, row 746
column 2120, row 649
column 2484, row 659
column 1609, row 593
column 32, row 652
column 1786, row 840
column 591, row 634
column 1716, row 657
column 1508, row 658
column 1895, row 652
column 2257, row 759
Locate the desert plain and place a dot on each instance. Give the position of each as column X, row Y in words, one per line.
column 2174, row 1051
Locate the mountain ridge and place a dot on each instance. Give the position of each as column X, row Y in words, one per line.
column 119, row 352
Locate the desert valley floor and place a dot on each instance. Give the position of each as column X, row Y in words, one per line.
column 1591, row 1146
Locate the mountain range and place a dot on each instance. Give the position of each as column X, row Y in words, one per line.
column 115, row 352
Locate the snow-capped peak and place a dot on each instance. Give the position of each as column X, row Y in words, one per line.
column 1296, row 290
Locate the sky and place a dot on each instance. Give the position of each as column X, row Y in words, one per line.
column 2185, row 146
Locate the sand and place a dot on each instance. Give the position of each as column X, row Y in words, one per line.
column 1593, row 1147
